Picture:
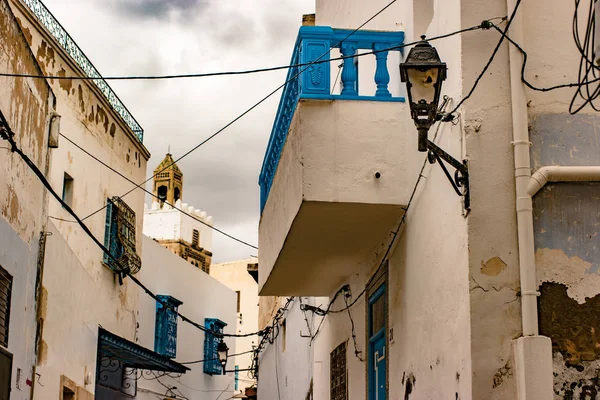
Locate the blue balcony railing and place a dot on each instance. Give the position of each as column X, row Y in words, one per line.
column 314, row 82
column 68, row 44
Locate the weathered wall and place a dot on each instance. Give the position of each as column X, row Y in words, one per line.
column 235, row 276
column 26, row 104
column 96, row 298
column 202, row 297
column 567, row 225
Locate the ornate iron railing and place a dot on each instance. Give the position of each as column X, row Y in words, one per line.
column 314, row 82
column 68, row 44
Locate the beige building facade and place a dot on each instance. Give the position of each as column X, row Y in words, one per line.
column 494, row 302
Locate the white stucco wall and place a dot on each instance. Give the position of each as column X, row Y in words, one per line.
column 169, row 223
column 235, row 276
column 203, row 297
column 287, row 374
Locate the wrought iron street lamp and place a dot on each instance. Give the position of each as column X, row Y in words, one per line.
column 222, row 351
column 423, row 72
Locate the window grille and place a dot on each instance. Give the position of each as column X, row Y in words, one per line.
column 338, row 373
column 119, row 237
column 212, row 366
column 195, row 237
column 5, row 294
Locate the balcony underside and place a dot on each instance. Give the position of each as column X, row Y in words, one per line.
column 324, row 244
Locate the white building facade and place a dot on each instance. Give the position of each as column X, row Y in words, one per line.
column 429, row 300
column 202, row 298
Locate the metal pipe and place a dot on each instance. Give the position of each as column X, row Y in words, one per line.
column 561, row 174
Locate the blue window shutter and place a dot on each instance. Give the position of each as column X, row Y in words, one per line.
column 212, row 366
column 108, row 237
column 237, row 376
column 165, row 330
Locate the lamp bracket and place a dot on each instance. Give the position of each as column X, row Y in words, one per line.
column 461, row 173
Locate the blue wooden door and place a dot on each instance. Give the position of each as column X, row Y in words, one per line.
column 377, row 345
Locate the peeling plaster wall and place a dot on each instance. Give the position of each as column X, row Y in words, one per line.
column 567, row 223
column 26, row 104
column 88, row 120
column 567, row 226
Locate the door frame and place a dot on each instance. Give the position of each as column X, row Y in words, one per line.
column 378, row 282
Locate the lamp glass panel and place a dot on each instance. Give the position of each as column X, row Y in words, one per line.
column 423, row 84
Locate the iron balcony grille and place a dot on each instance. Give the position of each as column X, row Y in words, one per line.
column 68, row 44
column 5, row 294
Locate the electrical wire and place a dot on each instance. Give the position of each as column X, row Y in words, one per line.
column 318, row 60
column 588, row 89
column 587, row 66
column 524, row 64
column 485, row 25
column 7, row 134
column 214, row 359
column 153, row 195
column 357, row 353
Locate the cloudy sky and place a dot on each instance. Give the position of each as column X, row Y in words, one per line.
column 143, row 37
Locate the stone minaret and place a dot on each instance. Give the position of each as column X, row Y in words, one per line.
column 168, row 181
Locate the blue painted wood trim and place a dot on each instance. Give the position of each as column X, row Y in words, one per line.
column 165, row 329
column 314, row 82
column 211, row 365
column 346, row 97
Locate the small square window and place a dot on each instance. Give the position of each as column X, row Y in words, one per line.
column 67, row 194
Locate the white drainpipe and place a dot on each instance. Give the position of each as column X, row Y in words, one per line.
column 522, row 177
column 562, row 174
column 532, row 354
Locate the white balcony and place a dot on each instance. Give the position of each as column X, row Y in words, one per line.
column 338, row 173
